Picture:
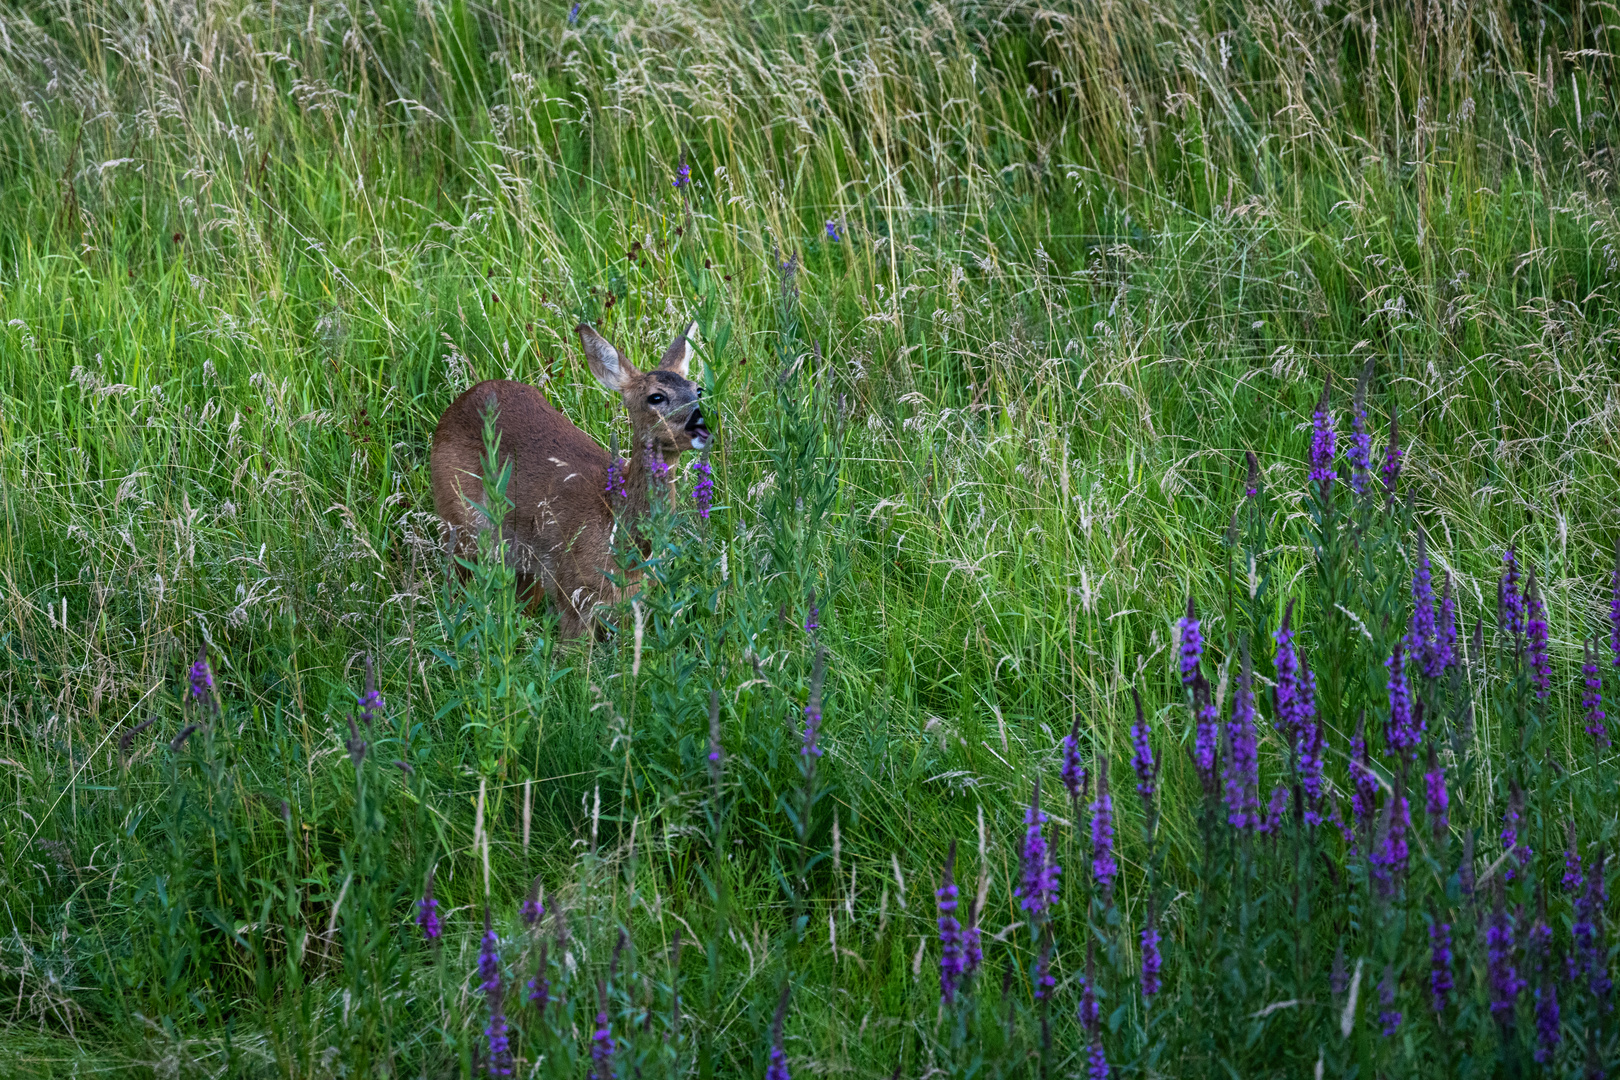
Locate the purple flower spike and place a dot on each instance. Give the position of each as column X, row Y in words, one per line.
column 1505, row 983
column 1391, row 852
column 602, row 1044
column 427, row 913
column 1436, row 801
column 1390, row 472
column 777, row 1068
column 371, row 702
column 703, row 490
column 1074, row 772
column 616, row 473
column 1038, row 887
column 1573, row 879
column 1440, row 982
column 1286, row 663
column 1536, row 635
column 1592, row 695
column 1045, row 983
column 540, row 986
column 1509, row 602
column 811, row 743
column 812, row 621
column 1323, row 442
column 1103, row 867
column 1422, row 644
column 1445, row 635
column 1192, row 643
column 1207, row 735
column 1242, row 775
column 1405, row 731
column 1251, row 485
column 1089, row 1012
column 489, row 973
column 1359, row 452
column 1614, row 606
column 1510, row 831
column 1152, row 960
column 1547, row 1025
column 953, row 955
column 683, row 174
column 1147, row 770
column 533, row 909
column 1096, row 1061
column 202, row 679
column 1276, row 807
column 1388, row 1016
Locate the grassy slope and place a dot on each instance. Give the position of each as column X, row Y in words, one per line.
column 1089, row 255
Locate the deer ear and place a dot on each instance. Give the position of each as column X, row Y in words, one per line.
column 679, row 354
column 611, row 370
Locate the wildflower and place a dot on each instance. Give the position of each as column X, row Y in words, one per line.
column 1536, row 638
column 716, row 750
column 1390, row 855
column 602, row 1045
column 540, row 986
column 1276, row 806
column 972, row 943
column 1445, row 634
column 1251, row 485
column 1547, row 1028
column 953, row 957
column 1207, row 734
column 202, row 679
column 1614, row 606
column 832, row 231
column 1323, row 442
column 1243, row 757
column 1103, row 867
column 1440, row 982
column 573, row 15
column 1510, row 604
column 1074, row 773
column 1097, row 1063
column 489, row 971
column 356, row 745
column 683, row 174
column 371, row 702
column 1436, row 802
column 1405, row 730
column 1142, row 760
column 1152, row 961
column 427, row 912
column 1388, row 1016
column 1359, row 452
column 1192, row 643
column 1390, row 472
column 1363, row 783
column 1286, row 662
column 811, row 746
column 1503, row 976
column 1421, row 642
column 1573, row 879
column 703, row 490
column 533, row 909
column 1592, row 697
column 812, row 621
column 1591, row 958
column 1510, row 831
column 657, row 467
column 1089, row 1012
column 1044, row 982
column 616, row 477
column 1309, row 742
column 777, row 1069
column 1038, row 887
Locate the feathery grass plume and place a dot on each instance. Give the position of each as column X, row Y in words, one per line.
column 1073, row 773
column 1359, row 452
column 1436, row 801
column 1502, row 975
column 371, row 702
column 953, row 954
column 489, row 973
column 202, row 680
column 1389, row 1017
column 703, row 490
column 1242, row 775
column 1440, row 981
column 1037, row 887
column 1390, row 471
column 1573, row 878
column 1152, row 960
column 534, row 908
column 127, row 739
column 1509, row 602
column 1592, row 693
column 1251, row 483
column 1206, row 736
column 1192, row 643
column 1323, row 442
column 1147, row 770
column 1536, row 639
column 777, row 1068
column 427, row 912
column 602, row 1044
column 180, row 740
column 1103, row 867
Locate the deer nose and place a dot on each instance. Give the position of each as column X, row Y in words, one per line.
column 696, row 428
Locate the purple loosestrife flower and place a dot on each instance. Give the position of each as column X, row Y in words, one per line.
column 1535, row 634
column 1592, row 695
column 1390, row 854
column 1445, row 633
column 371, row 702
column 1147, row 770
column 1614, row 606
column 1591, row 958
column 1242, row 777
column 832, row 231
column 427, row 913
column 1510, row 831
column 1502, row 975
column 1286, row 662
column 1403, row 734
column 1547, row 1022
column 1310, row 743
column 616, row 477
column 811, row 743
column 1390, row 471
column 1323, row 442
column 1103, row 867
column 540, row 986
column 1271, row 823
column 1089, row 1012
column 703, row 490
column 1152, row 960
column 1037, row 888
column 1573, row 878
column 573, row 15
column 1359, row 452
column 953, row 956
column 1044, row 982
column 1096, row 1061
column 1440, row 983
column 1509, row 602
column 202, row 679
column 972, row 943
column 1074, row 773
column 1436, row 801
column 683, row 174
column 534, row 908
column 489, row 973
column 1192, row 643
column 602, row 1045
column 1363, row 782
column 812, row 621
column 1423, row 643
column 1207, row 735
column 777, row 1069
column 1388, row 1016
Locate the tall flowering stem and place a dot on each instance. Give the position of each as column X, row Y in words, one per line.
column 1390, row 471
column 1614, row 607
column 489, row 973
column 1103, row 867
column 1536, row 639
column 202, row 681
column 1037, row 888
column 1436, row 800
column 1359, row 452
column 1073, row 774
column 1192, row 643
column 953, row 953
column 1405, row 730
column 1152, row 960
column 427, row 913
column 602, row 1044
column 1592, row 694
column 703, row 490
column 1323, row 443
column 776, row 1068
column 1147, row 770
column 1242, row 774
column 1509, row 601
column 1440, row 981
column 1206, row 736
column 1422, row 643
column 1502, row 973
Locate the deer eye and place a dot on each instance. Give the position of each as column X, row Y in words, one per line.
column 656, row 399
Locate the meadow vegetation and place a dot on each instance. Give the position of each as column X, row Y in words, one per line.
column 993, row 302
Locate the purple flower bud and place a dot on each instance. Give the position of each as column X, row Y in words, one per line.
column 1436, row 801
column 832, row 231
column 1391, row 852
column 371, row 702
column 489, row 973
column 1591, row 957
column 1276, row 808
column 812, row 621
column 573, row 15
column 1536, row 638
column 1242, row 775
column 1286, row 663
column 703, row 490
column 602, row 1044
column 1073, row 774
column 1422, row 643
column 1192, row 643
column 1206, row 736
column 1103, row 867
column 1044, row 981
column 1592, row 697
column 1147, row 770
column 953, row 955
column 1152, row 961
column 427, row 913
column 1390, row 472
column 683, row 174
column 1037, row 887
column 534, row 908
column 1510, row 832
column 616, row 473
column 1405, row 730
column 777, row 1068
column 1323, row 442
column 1440, row 983
column 202, row 679
column 1502, row 974
column 1096, row 1061
column 1359, row 452
column 1388, row 1016
column 1509, row 602
column 1251, row 485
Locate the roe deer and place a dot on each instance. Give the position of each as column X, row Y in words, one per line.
column 560, row 531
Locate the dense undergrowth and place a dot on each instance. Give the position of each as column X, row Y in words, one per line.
column 992, row 302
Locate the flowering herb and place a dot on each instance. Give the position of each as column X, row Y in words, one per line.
column 602, row 1044
column 1573, row 879
column 1310, row 744
column 1037, row 888
column 1503, row 977
column 1044, row 981
column 832, row 231
column 1251, row 484
column 1242, row 776
column 489, row 973
column 1152, row 961
column 427, row 913
column 1592, row 694
column 1422, row 643
column 1510, row 831
column 1388, row 1016
column 1391, row 852
column 1286, row 663
column 1536, row 634
column 1323, row 442
column 1096, row 1061
column 1147, row 770
column 540, row 985
column 1206, row 735
column 953, row 955
column 534, row 908
column 812, row 621
column 616, row 473
column 777, row 1068
column 1103, row 867
column 1363, row 782
column 810, row 746
column 1436, row 801
column 1359, row 452
column 703, row 490
column 573, row 15
column 1591, row 958
column 1192, row 643
column 1073, row 773
column 371, row 702
column 1547, row 1026
column 1405, row 728
column 1276, row 807
column 202, row 679
column 1509, row 602
column 1440, row 982
column 683, row 174
column 1089, row 1012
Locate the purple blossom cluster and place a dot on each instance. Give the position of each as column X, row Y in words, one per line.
column 616, row 477
column 1509, row 601
column 1073, row 773
column 202, row 679
column 489, row 974
column 1436, row 800
column 1152, row 959
column 1206, row 735
column 703, row 490
column 1037, row 888
column 1359, row 452
column 1147, row 770
column 953, row 950
column 1103, row 867
column 1405, row 730
column 1389, row 1017
column 1323, row 444
column 1536, row 640
column 1242, row 775
column 1592, row 695
column 1192, row 643
column 1440, row 981
column 1390, row 471
column 1501, row 972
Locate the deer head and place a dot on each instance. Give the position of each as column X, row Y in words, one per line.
column 662, row 403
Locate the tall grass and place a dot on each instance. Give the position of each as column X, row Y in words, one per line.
column 993, row 299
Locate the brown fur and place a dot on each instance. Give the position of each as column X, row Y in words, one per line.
column 560, row 532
